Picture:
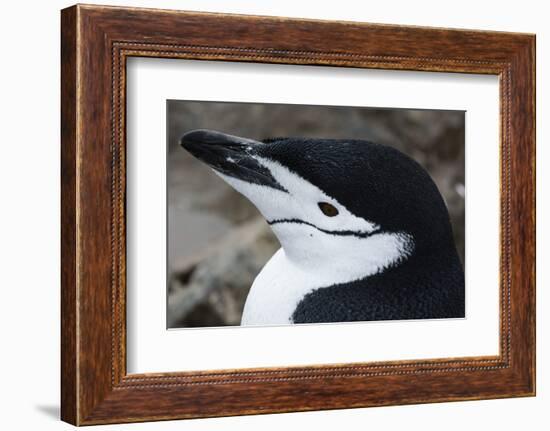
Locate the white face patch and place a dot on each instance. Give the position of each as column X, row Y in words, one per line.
column 342, row 246
column 300, row 203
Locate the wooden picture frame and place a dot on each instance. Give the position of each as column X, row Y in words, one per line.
column 96, row 41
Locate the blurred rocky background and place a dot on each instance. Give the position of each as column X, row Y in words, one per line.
column 218, row 242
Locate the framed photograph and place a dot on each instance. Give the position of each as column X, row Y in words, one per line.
column 264, row 214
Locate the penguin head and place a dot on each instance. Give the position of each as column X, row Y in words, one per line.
column 331, row 201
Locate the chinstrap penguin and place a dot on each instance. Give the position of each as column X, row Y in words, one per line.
column 364, row 232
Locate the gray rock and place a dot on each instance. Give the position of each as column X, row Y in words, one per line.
column 212, row 291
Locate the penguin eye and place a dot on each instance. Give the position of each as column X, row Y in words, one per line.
column 328, row 209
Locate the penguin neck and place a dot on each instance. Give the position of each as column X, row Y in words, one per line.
column 334, row 259
column 299, row 268
column 306, row 263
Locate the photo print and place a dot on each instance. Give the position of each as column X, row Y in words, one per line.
column 295, row 214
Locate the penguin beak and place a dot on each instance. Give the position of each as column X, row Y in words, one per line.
column 230, row 155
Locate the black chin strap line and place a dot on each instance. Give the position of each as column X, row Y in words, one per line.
column 330, row 232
